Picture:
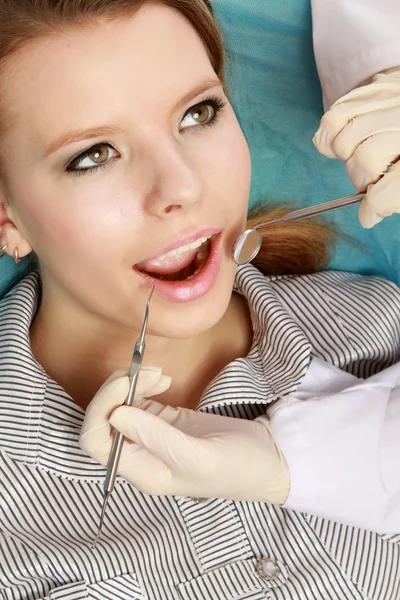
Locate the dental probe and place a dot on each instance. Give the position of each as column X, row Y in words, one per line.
column 134, row 370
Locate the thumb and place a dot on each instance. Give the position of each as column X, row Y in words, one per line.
column 382, row 199
column 367, row 214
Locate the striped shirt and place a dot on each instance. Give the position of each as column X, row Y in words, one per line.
column 179, row 548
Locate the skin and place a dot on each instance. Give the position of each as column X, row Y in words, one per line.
column 164, row 178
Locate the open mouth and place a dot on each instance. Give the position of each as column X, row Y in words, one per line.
column 183, row 266
column 187, row 273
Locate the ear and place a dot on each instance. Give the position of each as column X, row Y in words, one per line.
column 9, row 232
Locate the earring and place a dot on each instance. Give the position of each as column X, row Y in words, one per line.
column 16, row 255
column 2, row 250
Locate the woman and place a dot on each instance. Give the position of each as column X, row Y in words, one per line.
column 102, row 208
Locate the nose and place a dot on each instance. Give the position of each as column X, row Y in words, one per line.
column 174, row 180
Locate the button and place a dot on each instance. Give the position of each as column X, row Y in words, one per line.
column 268, row 569
column 199, row 500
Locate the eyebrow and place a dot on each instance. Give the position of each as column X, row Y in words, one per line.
column 106, row 130
column 204, row 87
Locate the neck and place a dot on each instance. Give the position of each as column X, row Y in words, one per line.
column 80, row 356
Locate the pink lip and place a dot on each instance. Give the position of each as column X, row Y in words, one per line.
column 187, row 291
column 185, row 241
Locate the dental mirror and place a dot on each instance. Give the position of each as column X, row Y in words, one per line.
column 248, row 244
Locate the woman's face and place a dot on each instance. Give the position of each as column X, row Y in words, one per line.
column 123, row 148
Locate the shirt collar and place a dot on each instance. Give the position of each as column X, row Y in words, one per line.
column 279, row 356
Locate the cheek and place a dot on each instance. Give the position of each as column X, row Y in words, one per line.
column 85, row 221
column 46, row 227
column 230, row 166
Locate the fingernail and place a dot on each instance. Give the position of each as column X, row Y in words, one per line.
column 368, row 220
column 157, row 370
column 150, row 376
column 165, row 380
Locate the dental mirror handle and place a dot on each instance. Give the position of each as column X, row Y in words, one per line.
column 248, row 245
column 313, row 211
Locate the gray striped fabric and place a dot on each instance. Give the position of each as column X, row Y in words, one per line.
column 174, row 548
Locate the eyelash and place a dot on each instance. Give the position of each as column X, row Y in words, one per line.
column 216, row 103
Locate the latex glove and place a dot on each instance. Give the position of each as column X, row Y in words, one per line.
column 363, row 130
column 96, row 436
column 177, row 451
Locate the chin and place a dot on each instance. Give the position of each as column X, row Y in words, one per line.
column 186, row 319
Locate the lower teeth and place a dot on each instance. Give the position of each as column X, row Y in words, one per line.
column 194, row 274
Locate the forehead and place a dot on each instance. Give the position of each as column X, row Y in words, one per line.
column 77, row 78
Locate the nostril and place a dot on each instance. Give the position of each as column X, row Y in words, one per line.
column 171, row 208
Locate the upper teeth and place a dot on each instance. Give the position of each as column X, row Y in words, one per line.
column 183, row 249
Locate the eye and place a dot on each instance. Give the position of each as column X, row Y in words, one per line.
column 92, row 159
column 202, row 114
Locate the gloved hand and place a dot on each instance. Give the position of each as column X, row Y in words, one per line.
column 96, row 435
column 177, row 451
column 363, row 130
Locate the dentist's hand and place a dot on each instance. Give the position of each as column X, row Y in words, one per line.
column 363, row 130
column 177, row 451
column 96, row 436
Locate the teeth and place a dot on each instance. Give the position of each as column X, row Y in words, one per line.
column 184, row 249
column 194, row 274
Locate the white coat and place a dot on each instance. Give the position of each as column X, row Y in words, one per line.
column 354, row 39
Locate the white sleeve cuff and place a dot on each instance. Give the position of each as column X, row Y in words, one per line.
column 353, row 40
column 362, row 66
column 332, row 445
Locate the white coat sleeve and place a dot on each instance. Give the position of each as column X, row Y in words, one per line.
column 343, row 452
column 353, row 40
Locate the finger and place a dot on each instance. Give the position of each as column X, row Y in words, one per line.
column 365, row 126
column 146, row 472
column 160, row 387
column 372, row 158
column 176, row 449
column 362, row 100
column 167, row 413
column 382, row 199
column 96, row 427
column 193, row 423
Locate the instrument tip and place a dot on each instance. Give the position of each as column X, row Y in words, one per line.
column 103, row 512
column 150, row 297
column 97, row 538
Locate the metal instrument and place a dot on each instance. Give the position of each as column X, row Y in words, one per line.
column 134, row 370
column 249, row 243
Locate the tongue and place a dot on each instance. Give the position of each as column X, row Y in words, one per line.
column 168, row 266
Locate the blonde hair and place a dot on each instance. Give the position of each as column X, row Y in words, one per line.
column 300, row 247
